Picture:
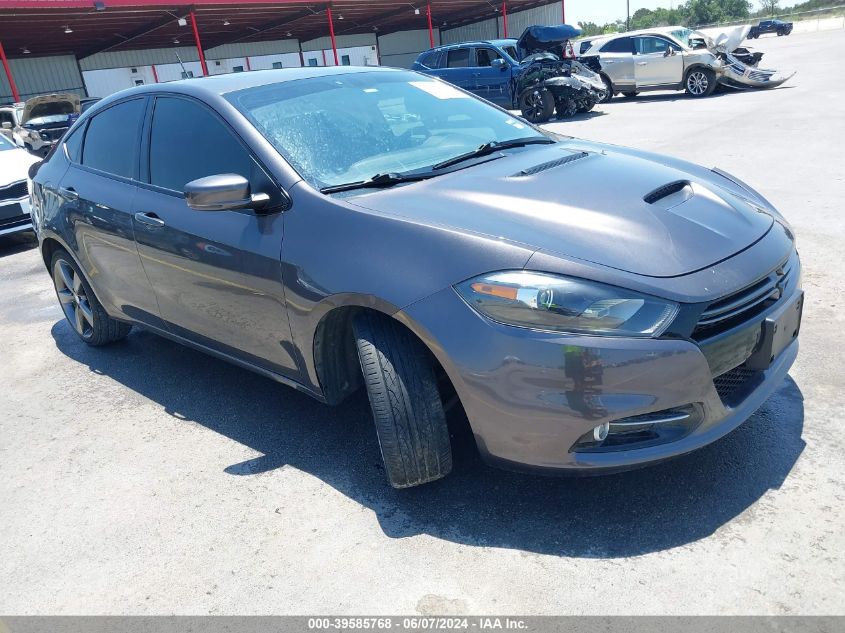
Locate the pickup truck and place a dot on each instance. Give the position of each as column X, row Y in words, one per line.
column 770, row 26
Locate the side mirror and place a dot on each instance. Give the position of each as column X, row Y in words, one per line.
column 222, row 192
column 499, row 63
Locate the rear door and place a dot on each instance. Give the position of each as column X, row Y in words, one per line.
column 492, row 83
column 657, row 62
column 457, row 68
column 617, row 62
column 217, row 275
column 97, row 192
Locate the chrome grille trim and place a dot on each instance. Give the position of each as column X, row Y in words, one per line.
column 730, row 308
column 14, row 191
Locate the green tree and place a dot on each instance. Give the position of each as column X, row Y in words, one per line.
column 770, row 7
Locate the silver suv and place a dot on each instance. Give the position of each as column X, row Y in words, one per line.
column 653, row 60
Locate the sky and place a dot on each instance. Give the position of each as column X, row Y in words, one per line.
column 604, row 11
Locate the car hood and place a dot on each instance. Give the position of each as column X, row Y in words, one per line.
column 14, row 165
column 590, row 202
column 724, row 40
column 49, row 105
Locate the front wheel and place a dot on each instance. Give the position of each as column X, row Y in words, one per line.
column 82, row 309
column 630, row 95
column 537, row 105
column 700, row 82
column 607, row 95
column 407, row 410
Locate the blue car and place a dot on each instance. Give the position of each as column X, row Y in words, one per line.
column 531, row 74
column 485, row 68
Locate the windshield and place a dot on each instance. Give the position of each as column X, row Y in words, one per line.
column 682, row 35
column 5, row 143
column 346, row 128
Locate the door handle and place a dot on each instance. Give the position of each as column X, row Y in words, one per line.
column 69, row 193
column 609, row 61
column 150, row 219
column 642, row 63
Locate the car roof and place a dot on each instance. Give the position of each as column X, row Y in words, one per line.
column 499, row 42
column 218, row 85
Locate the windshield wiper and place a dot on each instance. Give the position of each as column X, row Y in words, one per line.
column 492, row 147
column 379, row 180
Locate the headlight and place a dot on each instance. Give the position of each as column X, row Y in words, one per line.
column 564, row 304
column 35, row 135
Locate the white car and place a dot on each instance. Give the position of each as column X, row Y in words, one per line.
column 14, row 188
column 39, row 123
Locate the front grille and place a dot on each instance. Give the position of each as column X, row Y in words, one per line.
column 733, row 385
column 15, row 191
column 740, row 306
column 53, row 134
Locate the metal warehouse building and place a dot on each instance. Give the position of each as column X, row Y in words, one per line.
column 97, row 47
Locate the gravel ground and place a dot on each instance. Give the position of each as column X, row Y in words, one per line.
column 147, row 478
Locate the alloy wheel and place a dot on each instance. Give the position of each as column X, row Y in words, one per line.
column 697, row 83
column 73, row 299
column 534, row 101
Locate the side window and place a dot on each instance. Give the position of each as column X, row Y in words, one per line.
column 458, row 58
column 6, row 117
column 620, row 45
column 112, row 140
column 189, row 142
column 485, row 56
column 73, row 144
column 648, row 45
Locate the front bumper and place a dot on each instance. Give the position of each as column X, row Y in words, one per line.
column 531, row 396
column 15, row 216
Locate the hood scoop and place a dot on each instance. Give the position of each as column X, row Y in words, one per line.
column 536, row 169
column 670, row 195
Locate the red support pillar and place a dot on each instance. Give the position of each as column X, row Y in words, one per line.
column 155, row 73
column 199, row 44
column 248, row 65
column 15, row 96
column 430, row 27
column 331, row 33
column 505, row 16
column 563, row 11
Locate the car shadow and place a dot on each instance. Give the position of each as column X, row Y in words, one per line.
column 664, row 506
column 578, row 116
column 17, row 243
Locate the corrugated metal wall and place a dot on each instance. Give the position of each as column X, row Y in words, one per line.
column 131, row 59
column 275, row 47
column 485, row 30
column 521, row 20
column 39, row 75
column 402, row 48
column 495, row 28
column 343, row 41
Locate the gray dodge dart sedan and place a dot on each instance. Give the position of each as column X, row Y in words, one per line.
column 591, row 308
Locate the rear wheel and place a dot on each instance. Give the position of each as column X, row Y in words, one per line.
column 407, row 409
column 537, row 105
column 82, row 310
column 700, row 82
column 630, row 95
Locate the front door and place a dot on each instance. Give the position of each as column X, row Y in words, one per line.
column 492, row 83
column 617, row 62
column 657, row 62
column 217, row 275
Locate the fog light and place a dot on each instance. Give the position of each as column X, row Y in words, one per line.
column 601, row 431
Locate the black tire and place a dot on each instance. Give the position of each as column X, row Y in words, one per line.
column 780, row 33
column 82, row 310
column 407, row 410
column 608, row 90
column 700, row 82
column 630, row 95
column 537, row 105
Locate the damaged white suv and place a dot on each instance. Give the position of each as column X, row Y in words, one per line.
column 653, row 60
